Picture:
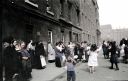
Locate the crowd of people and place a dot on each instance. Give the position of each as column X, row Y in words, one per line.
column 78, row 51
column 116, row 53
column 68, row 56
column 20, row 57
column 88, row 53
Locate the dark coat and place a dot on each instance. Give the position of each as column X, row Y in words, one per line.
column 67, row 51
column 9, row 62
column 114, row 56
column 126, row 51
column 105, row 49
column 81, row 52
column 17, row 65
column 9, row 57
column 26, row 63
column 76, row 49
column 39, row 50
column 58, row 57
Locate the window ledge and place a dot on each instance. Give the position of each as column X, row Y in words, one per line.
column 35, row 5
column 51, row 13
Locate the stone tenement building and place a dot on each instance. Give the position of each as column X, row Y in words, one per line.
column 107, row 33
column 50, row 20
column 90, row 20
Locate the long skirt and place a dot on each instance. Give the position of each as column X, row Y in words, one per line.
column 37, row 64
column 58, row 61
column 114, row 59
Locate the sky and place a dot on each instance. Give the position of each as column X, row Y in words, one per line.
column 114, row 12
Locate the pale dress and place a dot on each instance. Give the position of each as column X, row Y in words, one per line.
column 93, row 59
column 51, row 52
column 122, row 50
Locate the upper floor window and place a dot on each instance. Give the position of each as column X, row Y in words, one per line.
column 69, row 10
column 49, row 7
column 78, row 15
column 50, row 36
column 31, row 3
column 62, row 36
column 75, row 36
column 62, row 8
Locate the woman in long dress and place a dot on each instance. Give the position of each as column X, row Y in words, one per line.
column 39, row 53
column 114, row 56
column 59, row 54
column 51, row 53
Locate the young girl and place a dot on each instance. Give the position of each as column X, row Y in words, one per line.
column 92, row 62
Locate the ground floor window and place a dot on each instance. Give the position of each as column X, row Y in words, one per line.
column 62, row 36
column 50, row 36
column 70, row 36
column 76, row 37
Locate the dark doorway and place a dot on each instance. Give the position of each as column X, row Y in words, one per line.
column 29, row 32
column 70, row 36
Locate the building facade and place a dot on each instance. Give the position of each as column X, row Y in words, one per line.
column 90, row 21
column 50, row 20
column 107, row 33
column 46, row 20
column 118, row 34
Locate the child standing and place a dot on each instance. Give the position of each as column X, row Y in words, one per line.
column 71, row 76
column 93, row 62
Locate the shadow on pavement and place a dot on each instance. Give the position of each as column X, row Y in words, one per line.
column 85, row 69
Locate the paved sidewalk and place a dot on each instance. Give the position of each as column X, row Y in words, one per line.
column 103, row 73
column 50, row 73
column 47, row 74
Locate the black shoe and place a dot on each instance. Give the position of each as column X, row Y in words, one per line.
column 126, row 62
column 83, row 61
column 117, row 69
column 110, row 67
column 39, row 67
column 43, row 67
column 107, row 57
column 86, row 60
